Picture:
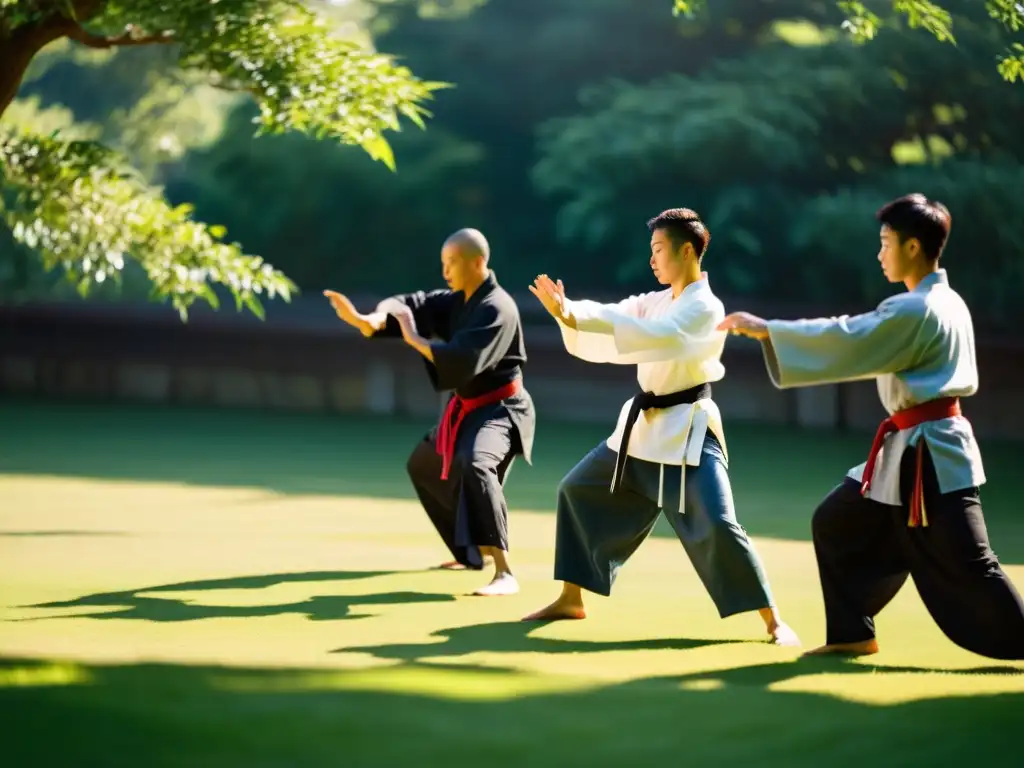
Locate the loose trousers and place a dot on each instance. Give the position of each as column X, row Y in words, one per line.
column 598, row 531
column 866, row 551
column 468, row 509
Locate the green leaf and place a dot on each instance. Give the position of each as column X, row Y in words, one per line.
column 77, row 204
column 1011, row 66
column 254, row 306
column 285, row 55
column 379, row 149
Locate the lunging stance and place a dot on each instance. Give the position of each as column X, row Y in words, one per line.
column 670, row 459
column 459, row 468
column 914, row 507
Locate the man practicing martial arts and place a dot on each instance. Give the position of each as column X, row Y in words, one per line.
column 607, row 505
column 459, row 469
column 914, row 507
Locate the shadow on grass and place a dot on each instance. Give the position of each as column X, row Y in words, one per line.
column 778, row 475
column 135, row 604
column 427, row 715
column 766, row 675
column 515, row 637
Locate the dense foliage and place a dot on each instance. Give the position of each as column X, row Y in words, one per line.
column 785, row 122
column 78, row 205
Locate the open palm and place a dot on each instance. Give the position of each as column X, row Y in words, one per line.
column 345, row 310
column 551, row 295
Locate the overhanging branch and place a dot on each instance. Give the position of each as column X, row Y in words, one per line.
column 234, row 86
column 131, row 36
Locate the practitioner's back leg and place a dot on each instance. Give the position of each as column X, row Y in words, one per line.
column 597, row 531
column 440, row 501
column 483, row 458
column 959, row 577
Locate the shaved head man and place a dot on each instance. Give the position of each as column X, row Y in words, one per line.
column 464, row 259
column 470, row 337
column 469, row 243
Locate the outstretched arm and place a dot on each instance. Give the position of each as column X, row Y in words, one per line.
column 838, row 349
column 424, row 312
column 551, row 294
column 428, row 312
column 346, row 311
column 620, row 334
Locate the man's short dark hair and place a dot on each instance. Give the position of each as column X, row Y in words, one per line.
column 682, row 226
column 915, row 216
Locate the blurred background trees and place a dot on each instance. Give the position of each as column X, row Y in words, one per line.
column 569, row 124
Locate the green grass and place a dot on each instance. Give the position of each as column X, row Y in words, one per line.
column 778, row 474
column 195, row 588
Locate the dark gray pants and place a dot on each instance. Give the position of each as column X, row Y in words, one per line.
column 597, row 531
column 468, row 509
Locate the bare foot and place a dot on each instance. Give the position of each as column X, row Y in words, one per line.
column 783, row 634
column 501, row 584
column 863, row 648
column 560, row 609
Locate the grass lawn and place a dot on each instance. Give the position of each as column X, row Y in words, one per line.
column 204, row 588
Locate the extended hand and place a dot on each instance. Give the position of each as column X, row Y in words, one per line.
column 551, row 295
column 347, row 312
column 745, row 324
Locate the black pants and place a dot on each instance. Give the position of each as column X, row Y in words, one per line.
column 468, row 509
column 865, row 552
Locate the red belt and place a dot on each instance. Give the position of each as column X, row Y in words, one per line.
column 457, row 408
column 933, row 410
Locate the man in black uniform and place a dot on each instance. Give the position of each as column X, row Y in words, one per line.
column 459, row 469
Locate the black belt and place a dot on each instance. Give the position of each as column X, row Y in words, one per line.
column 644, row 401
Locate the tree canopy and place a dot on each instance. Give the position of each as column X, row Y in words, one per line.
column 788, row 149
column 571, row 121
column 863, row 23
column 82, row 208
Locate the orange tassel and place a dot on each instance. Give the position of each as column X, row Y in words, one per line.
column 918, row 515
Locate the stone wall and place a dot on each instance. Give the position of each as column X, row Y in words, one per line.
column 314, row 363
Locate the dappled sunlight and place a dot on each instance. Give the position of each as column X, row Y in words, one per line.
column 315, row 625
column 374, row 717
column 461, row 684
column 340, row 591
column 881, row 687
column 43, row 675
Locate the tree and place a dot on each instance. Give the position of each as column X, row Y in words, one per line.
column 863, row 24
column 81, row 208
column 788, row 149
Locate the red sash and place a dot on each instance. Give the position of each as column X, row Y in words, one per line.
column 933, row 410
column 458, row 407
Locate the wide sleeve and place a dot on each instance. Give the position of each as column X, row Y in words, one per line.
column 592, row 341
column 847, row 348
column 624, row 336
column 480, row 344
column 431, row 311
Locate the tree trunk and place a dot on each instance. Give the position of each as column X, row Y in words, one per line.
column 14, row 60
column 17, row 52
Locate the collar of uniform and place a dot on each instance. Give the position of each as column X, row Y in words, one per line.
column 701, row 284
column 489, row 284
column 938, row 277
